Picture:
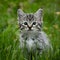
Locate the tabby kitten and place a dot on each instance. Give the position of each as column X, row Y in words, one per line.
column 31, row 36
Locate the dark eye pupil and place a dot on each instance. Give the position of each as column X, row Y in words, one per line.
column 34, row 23
column 25, row 23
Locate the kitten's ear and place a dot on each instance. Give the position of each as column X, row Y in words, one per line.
column 20, row 13
column 39, row 15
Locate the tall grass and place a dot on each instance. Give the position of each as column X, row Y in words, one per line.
column 9, row 40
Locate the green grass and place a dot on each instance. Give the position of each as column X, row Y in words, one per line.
column 9, row 40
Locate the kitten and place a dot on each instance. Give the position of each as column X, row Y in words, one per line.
column 31, row 36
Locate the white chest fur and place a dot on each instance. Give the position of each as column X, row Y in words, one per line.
column 33, row 40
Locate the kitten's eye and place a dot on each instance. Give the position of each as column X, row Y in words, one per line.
column 25, row 23
column 34, row 23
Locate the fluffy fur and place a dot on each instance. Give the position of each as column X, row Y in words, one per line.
column 31, row 36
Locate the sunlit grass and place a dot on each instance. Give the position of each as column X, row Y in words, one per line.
column 9, row 40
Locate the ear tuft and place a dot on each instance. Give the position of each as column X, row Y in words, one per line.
column 39, row 12
column 20, row 13
column 39, row 15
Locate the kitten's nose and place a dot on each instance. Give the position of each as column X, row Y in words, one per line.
column 30, row 27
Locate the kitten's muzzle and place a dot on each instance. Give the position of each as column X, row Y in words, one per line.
column 29, row 27
column 34, row 23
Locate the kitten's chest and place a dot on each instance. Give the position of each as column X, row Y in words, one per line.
column 30, row 35
column 31, row 40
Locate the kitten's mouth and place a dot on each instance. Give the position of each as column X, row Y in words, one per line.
column 30, row 30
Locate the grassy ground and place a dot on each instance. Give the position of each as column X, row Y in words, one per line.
column 9, row 40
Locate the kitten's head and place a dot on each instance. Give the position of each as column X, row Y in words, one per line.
column 30, row 21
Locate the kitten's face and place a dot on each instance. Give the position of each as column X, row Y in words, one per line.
column 30, row 21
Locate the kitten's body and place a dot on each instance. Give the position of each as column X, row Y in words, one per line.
column 34, row 40
column 31, row 36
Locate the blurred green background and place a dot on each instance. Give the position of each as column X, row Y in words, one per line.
column 9, row 40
